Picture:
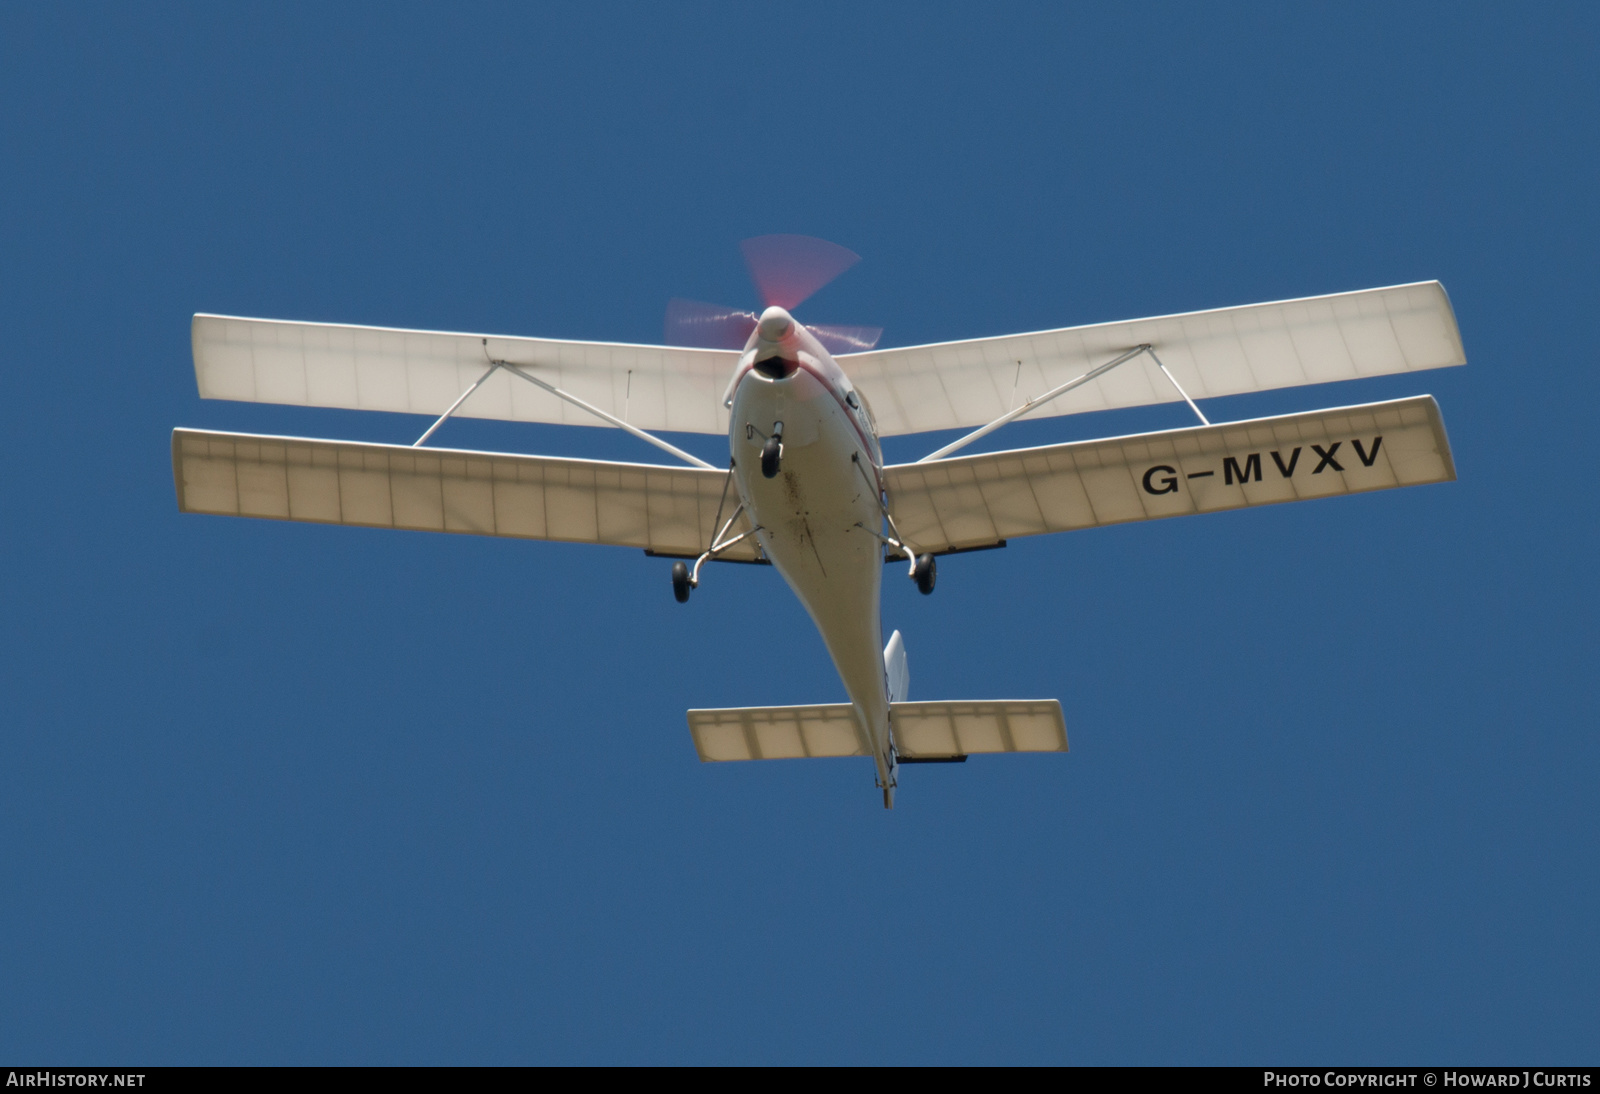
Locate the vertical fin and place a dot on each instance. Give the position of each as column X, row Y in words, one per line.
column 894, row 667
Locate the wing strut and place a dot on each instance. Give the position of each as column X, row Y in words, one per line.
column 456, row 405
column 1203, row 419
column 1010, row 416
column 515, row 370
column 650, row 438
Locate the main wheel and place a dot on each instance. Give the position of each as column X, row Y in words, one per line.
column 680, row 582
column 771, row 457
column 925, row 573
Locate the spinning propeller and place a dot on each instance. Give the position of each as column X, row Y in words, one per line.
column 787, row 270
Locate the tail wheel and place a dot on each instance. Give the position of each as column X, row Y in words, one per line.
column 925, row 574
column 771, row 457
column 680, row 582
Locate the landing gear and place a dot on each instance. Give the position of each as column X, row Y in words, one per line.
column 771, row 455
column 684, row 579
column 772, row 452
column 924, row 570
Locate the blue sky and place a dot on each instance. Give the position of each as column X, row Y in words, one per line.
column 281, row 793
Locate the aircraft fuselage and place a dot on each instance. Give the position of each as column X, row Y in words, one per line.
column 818, row 516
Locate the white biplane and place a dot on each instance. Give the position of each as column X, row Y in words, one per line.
column 806, row 487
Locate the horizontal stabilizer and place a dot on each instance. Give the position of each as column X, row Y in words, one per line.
column 667, row 510
column 935, row 730
column 966, row 502
column 957, row 728
column 777, row 733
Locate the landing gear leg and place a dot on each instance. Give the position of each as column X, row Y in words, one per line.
column 924, row 569
column 685, row 580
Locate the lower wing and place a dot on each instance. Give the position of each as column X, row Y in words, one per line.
column 980, row 501
column 665, row 510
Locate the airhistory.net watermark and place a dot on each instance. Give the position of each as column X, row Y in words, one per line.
column 46, row 1077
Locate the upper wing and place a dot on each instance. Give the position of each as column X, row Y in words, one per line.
column 423, row 372
column 980, row 501
column 1225, row 351
column 665, row 510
